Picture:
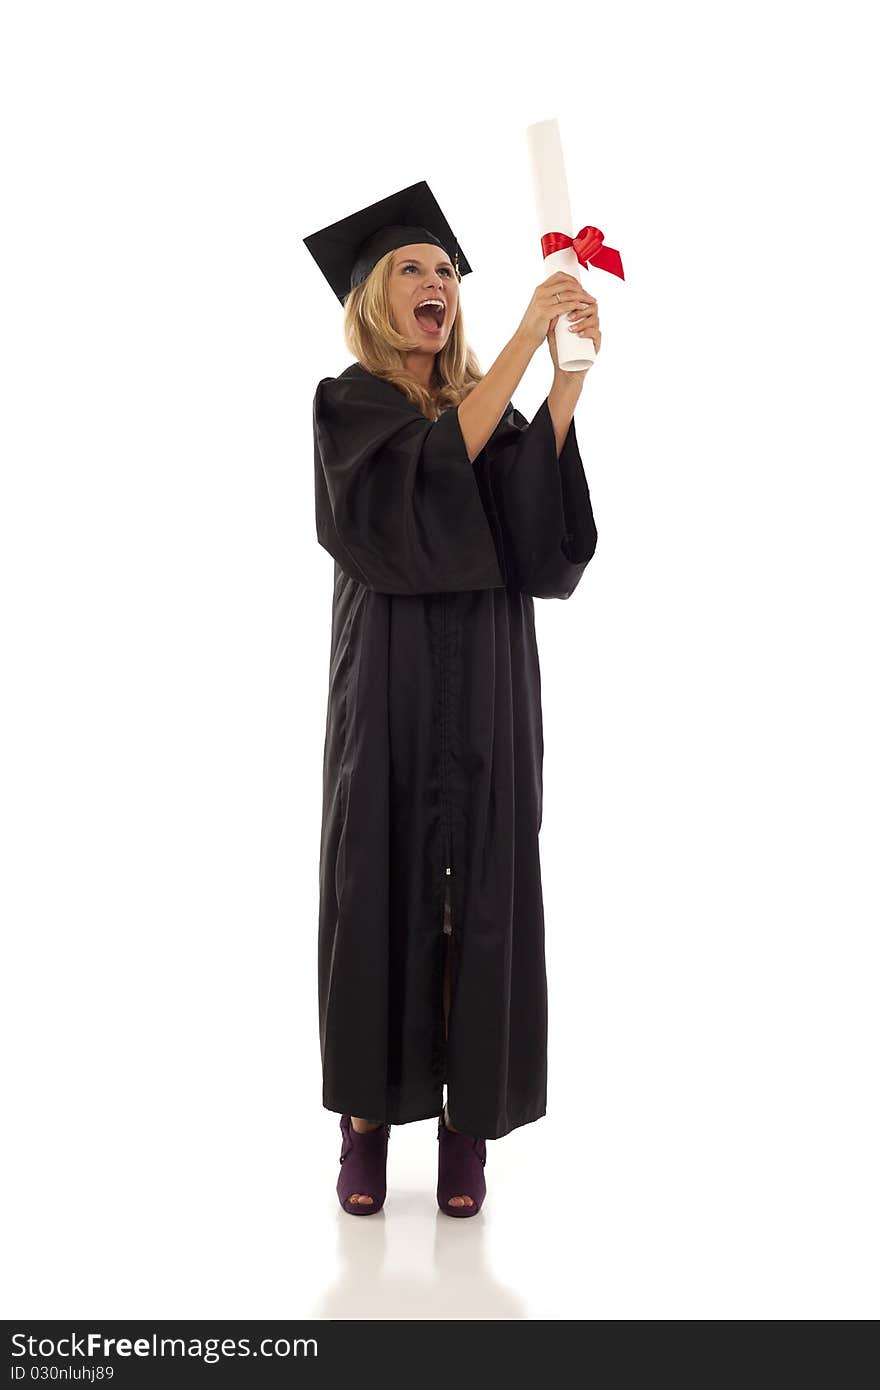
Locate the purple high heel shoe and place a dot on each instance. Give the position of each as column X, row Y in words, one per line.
column 460, row 1164
column 363, row 1167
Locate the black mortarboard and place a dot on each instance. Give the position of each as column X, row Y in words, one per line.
column 347, row 251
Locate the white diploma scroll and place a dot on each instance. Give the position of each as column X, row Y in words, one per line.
column 553, row 210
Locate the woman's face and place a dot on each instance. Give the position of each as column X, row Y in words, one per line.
column 418, row 273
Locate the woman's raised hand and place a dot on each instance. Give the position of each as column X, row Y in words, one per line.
column 539, row 319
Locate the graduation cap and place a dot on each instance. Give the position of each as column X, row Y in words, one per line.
column 348, row 250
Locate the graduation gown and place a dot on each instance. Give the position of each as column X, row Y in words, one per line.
column 433, row 752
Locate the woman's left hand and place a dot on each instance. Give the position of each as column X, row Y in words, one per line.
column 585, row 323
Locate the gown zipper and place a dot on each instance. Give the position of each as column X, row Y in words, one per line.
column 443, row 760
column 447, row 900
column 446, row 971
column 447, row 838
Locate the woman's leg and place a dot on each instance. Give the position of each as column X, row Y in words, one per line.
column 447, row 986
column 462, row 1201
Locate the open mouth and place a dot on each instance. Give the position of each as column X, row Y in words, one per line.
column 430, row 316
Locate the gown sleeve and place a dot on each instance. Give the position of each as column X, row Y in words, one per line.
column 398, row 503
column 545, row 517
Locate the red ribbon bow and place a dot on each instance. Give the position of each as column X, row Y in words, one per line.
column 588, row 248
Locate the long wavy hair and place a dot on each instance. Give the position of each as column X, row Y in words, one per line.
column 371, row 337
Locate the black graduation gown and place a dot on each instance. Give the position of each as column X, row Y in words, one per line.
column 433, row 751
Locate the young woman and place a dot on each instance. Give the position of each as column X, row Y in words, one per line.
column 446, row 513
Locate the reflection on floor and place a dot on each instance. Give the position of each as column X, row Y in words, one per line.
column 404, row 1263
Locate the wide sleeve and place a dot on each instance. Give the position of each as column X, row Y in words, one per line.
column 545, row 516
column 397, row 501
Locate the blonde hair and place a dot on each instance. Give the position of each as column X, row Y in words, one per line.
column 371, row 337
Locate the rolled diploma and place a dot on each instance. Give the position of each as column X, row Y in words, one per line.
column 553, row 210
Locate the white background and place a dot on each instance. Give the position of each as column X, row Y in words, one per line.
column 710, row 824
